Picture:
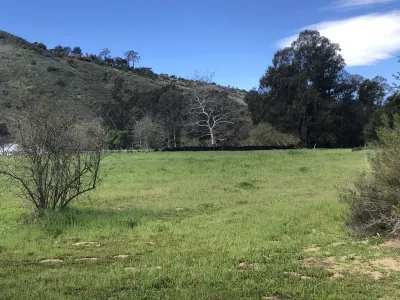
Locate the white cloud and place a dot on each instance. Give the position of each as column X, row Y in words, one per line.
column 352, row 4
column 364, row 40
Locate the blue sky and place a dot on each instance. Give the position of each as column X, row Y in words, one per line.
column 235, row 39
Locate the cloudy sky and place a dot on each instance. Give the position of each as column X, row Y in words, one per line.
column 235, row 39
column 365, row 38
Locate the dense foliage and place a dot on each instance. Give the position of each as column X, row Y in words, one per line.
column 307, row 92
column 374, row 199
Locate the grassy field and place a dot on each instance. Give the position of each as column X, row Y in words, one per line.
column 256, row 225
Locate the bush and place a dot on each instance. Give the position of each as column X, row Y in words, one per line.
column 58, row 156
column 118, row 139
column 42, row 46
column 52, row 69
column 374, row 198
column 266, row 135
column 61, row 83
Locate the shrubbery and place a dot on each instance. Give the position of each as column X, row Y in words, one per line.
column 52, row 69
column 118, row 139
column 374, row 198
column 266, row 135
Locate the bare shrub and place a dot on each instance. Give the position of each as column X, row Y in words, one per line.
column 374, row 198
column 149, row 134
column 59, row 153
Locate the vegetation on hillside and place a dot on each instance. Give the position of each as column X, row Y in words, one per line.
column 306, row 93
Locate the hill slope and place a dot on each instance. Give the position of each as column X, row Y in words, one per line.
column 28, row 70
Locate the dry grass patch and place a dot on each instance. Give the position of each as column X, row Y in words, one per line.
column 51, row 260
column 353, row 265
column 86, row 259
column 394, row 244
column 87, row 244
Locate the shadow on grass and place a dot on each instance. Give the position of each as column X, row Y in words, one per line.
column 56, row 222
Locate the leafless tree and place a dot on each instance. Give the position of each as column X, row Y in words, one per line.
column 148, row 133
column 212, row 111
column 104, row 53
column 59, row 154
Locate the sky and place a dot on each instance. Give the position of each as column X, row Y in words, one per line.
column 234, row 39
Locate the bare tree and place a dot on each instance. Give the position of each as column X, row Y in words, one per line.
column 132, row 57
column 104, row 53
column 59, row 154
column 148, row 133
column 212, row 111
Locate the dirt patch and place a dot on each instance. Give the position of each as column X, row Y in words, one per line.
column 302, row 277
column 122, row 256
column 87, row 244
column 374, row 274
column 312, row 249
column 352, row 264
column 246, row 265
column 388, row 264
column 395, row 244
column 86, row 259
column 179, row 209
column 292, row 274
column 337, row 244
column 337, row 275
column 51, row 260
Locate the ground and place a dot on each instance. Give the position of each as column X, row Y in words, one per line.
column 226, row 225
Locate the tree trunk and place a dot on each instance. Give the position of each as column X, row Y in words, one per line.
column 212, row 137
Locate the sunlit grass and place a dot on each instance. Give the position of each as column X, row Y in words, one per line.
column 226, row 225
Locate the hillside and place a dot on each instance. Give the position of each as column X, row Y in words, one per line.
column 28, row 70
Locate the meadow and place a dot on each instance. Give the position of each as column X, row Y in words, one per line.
column 224, row 225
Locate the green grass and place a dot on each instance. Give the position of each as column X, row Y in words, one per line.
column 195, row 226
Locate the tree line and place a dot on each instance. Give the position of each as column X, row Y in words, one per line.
column 305, row 98
column 307, row 92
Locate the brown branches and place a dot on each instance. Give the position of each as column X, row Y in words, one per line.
column 59, row 154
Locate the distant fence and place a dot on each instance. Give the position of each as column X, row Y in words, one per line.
column 227, row 148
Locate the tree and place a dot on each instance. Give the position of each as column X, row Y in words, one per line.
column 61, row 51
column 265, row 134
column 118, row 139
column 41, row 45
column 172, row 113
column 212, row 112
column 105, row 53
column 5, row 139
column 389, row 108
column 149, row 134
column 258, row 104
column 121, row 63
column 301, row 84
column 132, row 57
column 77, row 51
column 60, row 150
